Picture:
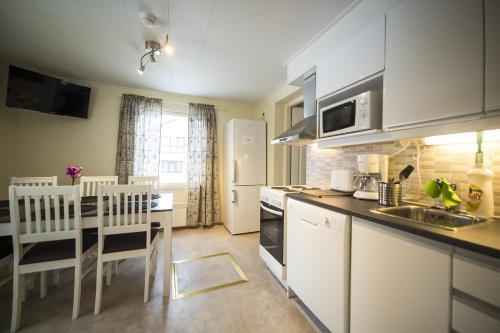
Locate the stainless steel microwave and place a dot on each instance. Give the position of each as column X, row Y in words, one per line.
column 359, row 113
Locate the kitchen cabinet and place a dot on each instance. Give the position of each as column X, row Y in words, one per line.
column 356, row 59
column 467, row 319
column 318, row 261
column 476, row 297
column 433, row 62
column 399, row 282
column 492, row 77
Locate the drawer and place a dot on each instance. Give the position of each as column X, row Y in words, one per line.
column 477, row 278
column 469, row 320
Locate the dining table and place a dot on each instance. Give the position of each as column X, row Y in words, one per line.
column 161, row 211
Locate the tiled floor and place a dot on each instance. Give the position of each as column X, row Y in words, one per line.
column 259, row 305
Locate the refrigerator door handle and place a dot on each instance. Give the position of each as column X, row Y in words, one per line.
column 234, row 170
column 234, row 196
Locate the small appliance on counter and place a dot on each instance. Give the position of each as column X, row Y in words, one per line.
column 372, row 168
column 342, row 180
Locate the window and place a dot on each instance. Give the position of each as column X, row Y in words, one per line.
column 173, row 149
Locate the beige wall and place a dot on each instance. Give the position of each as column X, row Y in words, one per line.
column 273, row 108
column 8, row 136
column 44, row 144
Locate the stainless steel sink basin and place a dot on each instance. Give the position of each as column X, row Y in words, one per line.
column 430, row 216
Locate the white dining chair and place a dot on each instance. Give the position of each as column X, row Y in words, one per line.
column 54, row 226
column 88, row 184
column 154, row 181
column 34, row 181
column 125, row 232
column 88, row 187
column 38, row 181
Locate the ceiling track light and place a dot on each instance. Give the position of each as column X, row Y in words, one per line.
column 153, row 50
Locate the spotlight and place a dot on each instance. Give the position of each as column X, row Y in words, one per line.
column 140, row 70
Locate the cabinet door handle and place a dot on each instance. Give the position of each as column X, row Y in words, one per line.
column 309, row 223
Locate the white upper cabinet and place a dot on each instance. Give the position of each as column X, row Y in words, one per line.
column 492, row 13
column 355, row 60
column 434, row 61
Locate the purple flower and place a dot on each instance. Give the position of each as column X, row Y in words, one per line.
column 74, row 172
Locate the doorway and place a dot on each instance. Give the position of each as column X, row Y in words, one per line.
column 296, row 155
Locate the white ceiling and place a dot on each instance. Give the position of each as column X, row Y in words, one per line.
column 226, row 49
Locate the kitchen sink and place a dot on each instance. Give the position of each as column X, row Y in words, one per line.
column 430, row 216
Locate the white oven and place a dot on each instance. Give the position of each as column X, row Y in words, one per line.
column 359, row 113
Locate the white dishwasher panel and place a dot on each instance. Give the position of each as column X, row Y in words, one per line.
column 318, row 257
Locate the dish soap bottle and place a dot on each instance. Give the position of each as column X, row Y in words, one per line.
column 480, row 190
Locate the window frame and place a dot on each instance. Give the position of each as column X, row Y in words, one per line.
column 173, row 186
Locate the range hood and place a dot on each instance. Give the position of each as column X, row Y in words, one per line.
column 304, row 132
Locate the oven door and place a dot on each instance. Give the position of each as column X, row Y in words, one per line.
column 338, row 119
column 272, row 230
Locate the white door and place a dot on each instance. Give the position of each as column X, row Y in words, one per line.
column 358, row 58
column 492, row 13
column 433, row 61
column 244, row 210
column 318, row 261
column 249, row 152
column 399, row 282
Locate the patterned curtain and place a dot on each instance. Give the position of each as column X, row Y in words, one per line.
column 203, row 168
column 138, row 151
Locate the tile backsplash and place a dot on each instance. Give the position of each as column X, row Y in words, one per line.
column 448, row 161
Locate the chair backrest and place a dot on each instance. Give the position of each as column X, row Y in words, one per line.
column 129, row 210
column 154, row 181
column 88, row 184
column 34, row 181
column 44, row 213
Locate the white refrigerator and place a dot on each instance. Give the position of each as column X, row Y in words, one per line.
column 245, row 174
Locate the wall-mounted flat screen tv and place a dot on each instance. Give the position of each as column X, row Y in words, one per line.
column 34, row 91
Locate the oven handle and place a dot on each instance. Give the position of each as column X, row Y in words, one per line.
column 272, row 211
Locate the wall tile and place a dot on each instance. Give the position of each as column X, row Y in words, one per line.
column 448, row 161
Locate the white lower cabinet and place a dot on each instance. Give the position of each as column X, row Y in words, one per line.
column 318, row 262
column 399, row 282
column 476, row 289
column 467, row 319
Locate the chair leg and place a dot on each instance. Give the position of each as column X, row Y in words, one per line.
column 98, row 287
column 146, row 278
column 155, row 261
column 17, row 286
column 43, row 284
column 153, row 264
column 109, row 271
column 77, row 289
column 57, row 277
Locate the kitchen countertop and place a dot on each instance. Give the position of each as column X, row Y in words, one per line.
column 483, row 238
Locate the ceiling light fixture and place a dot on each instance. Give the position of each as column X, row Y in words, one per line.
column 153, row 51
